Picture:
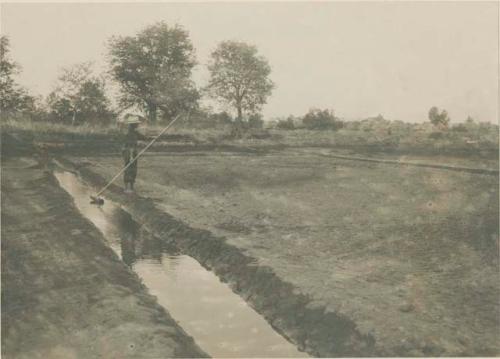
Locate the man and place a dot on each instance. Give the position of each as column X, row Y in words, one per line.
column 129, row 151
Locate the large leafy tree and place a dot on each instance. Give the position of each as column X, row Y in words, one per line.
column 154, row 69
column 239, row 77
column 80, row 96
column 13, row 98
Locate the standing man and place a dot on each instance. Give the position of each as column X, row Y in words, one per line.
column 129, row 151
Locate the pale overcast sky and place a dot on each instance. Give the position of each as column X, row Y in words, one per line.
column 361, row 59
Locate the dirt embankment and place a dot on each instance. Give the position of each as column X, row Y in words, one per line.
column 65, row 294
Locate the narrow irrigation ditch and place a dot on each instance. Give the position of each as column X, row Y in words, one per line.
column 219, row 320
column 293, row 314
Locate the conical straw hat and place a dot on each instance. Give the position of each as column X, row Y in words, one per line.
column 130, row 118
column 131, row 115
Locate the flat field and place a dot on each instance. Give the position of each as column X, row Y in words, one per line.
column 409, row 254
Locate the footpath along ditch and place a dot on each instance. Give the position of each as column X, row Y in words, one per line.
column 65, row 294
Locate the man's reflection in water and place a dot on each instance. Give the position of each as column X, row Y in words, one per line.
column 135, row 242
column 129, row 232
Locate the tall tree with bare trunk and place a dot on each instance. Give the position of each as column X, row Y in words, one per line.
column 239, row 77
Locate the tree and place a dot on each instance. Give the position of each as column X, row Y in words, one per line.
column 13, row 98
column 220, row 119
column 80, row 96
column 154, row 69
column 239, row 77
column 255, row 121
column 286, row 124
column 438, row 118
column 317, row 119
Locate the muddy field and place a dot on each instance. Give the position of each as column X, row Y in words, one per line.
column 406, row 256
column 343, row 257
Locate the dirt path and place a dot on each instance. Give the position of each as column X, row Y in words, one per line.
column 65, row 294
column 345, row 257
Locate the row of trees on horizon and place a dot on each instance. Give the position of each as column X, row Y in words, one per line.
column 153, row 72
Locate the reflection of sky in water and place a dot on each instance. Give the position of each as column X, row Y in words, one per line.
column 220, row 321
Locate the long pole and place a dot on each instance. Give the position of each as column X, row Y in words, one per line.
column 138, row 155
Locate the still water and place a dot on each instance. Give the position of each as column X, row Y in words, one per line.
column 220, row 321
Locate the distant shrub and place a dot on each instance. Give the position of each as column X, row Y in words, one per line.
column 241, row 129
column 470, row 120
column 459, row 128
column 200, row 118
column 436, row 135
column 287, row 124
column 438, row 118
column 352, row 125
column 255, row 121
column 219, row 119
column 258, row 134
column 317, row 119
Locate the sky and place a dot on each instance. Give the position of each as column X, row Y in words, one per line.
column 359, row 58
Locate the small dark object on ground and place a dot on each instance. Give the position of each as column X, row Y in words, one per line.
column 96, row 200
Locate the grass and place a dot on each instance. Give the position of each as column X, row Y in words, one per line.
column 408, row 138
column 57, row 131
column 396, row 137
column 43, row 127
column 183, row 134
